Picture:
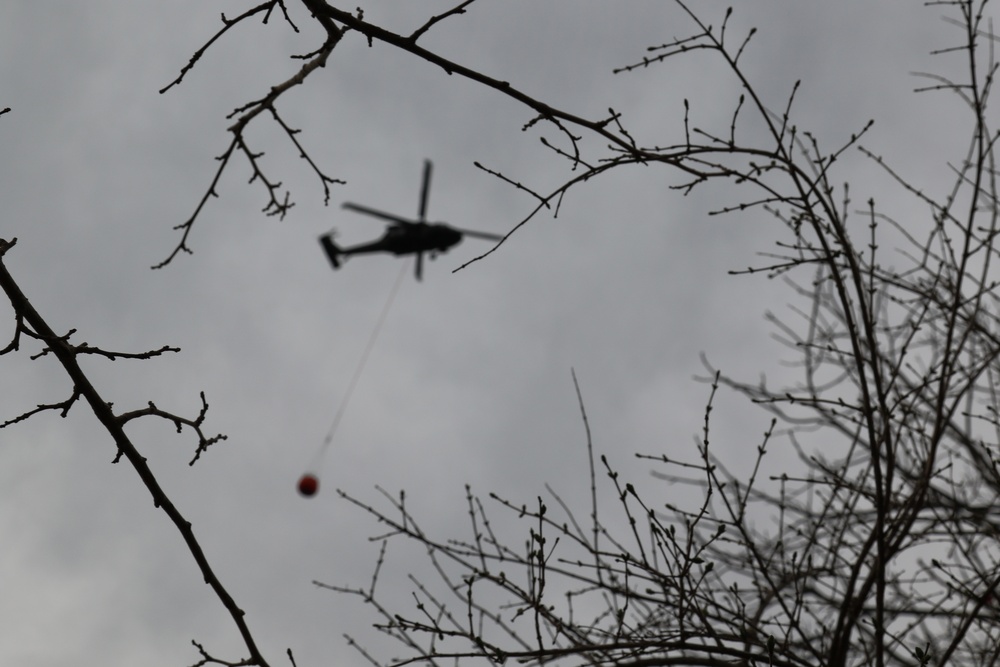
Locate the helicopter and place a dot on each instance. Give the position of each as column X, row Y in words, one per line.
column 403, row 236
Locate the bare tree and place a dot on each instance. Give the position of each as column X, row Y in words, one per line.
column 881, row 547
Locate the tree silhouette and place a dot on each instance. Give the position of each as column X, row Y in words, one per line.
column 877, row 544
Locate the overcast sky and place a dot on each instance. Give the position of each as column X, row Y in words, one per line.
column 470, row 380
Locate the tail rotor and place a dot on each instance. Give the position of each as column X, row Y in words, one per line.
column 333, row 251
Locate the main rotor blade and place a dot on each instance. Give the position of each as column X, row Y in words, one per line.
column 481, row 235
column 425, row 190
column 378, row 214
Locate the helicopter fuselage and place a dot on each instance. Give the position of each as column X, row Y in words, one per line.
column 411, row 239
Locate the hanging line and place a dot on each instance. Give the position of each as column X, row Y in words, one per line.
column 361, row 364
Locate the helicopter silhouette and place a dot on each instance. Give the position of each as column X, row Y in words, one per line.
column 403, row 236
